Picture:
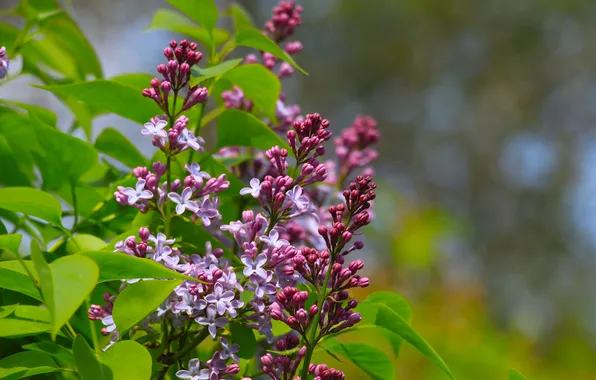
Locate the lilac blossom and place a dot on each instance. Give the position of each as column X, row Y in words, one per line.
column 137, row 193
column 254, row 189
column 188, row 140
column 212, row 321
column 207, row 211
column 195, row 171
column 155, row 128
column 273, row 240
column 193, row 371
column 229, row 351
column 183, row 201
column 222, row 299
column 297, row 197
column 254, row 266
column 4, row 62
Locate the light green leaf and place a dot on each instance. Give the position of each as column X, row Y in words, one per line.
column 370, row 359
column 74, row 278
column 171, row 20
column 63, row 354
column 41, row 113
column 138, row 81
column 140, row 299
column 113, row 143
column 17, row 281
column 516, row 375
column 245, row 338
column 88, row 365
column 46, row 283
column 10, row 242
column 83, row 242
column 32, row 202
column 240, row 15
column 250, row 36
column 26, row 364
column 392, row 321
column 259, row 85
column 127, row 360
column 239, row 128
column 32, row 313
column 110, row 96
column 120, row 266
column 204, row 12
column 12, row 173
column 213, row 71
column 16, row 328
column 7, row 310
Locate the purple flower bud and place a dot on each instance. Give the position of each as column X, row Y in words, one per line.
column 302, row 351
column 144, row 233
column 151, row 182
column 176, row 185
column 267, row 360
column 364, row 282
column 358, row 245
column 131, row 243
column 313, row 310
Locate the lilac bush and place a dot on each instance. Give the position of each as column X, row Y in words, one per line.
column 206, row 262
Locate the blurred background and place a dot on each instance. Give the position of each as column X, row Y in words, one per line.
column 486, row 208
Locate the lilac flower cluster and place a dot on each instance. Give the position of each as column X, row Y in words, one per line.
column 4, row 62
column 214, row 368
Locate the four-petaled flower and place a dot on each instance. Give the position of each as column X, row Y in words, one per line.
column 212, row 321
column 229, row 351
column 187, row 139
column 273, row 240
column 155, row 129
column 223, row 300
column 236, row 227
column 193, row 372
column 207, row 211
column 183, row 201
column 195, row 171
column 138, row 193
column 295, row 195
column 254, row 189
column 254, row 266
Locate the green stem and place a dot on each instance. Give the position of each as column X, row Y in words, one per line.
column 183, row 352
column 198, row 128
column 73, row 193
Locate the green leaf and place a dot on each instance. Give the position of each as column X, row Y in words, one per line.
column 83, row 242
column 370, row 359
column 46, row 283
column 88, row 365
column 17, row 281
column 63, row 354
column 250, row 36
column 110, row 96
column 16, row 328
column 140, row 299
column 7, row 310
column 74, row 278
column 245, row 338
column 32, row 202
column 240, row 15
column 59, row 165
column 41, row 113
column 11, row 173
column 32, row 313
column 392, row 321
column 120, row 266
column 213, row 71
column 204, row 12
column 259, row 85
column 239, row 128
column 171, row 20
column 10, row 242
column 515, row 375
column 116, row 145
column 26, row 364
column 128, row 360
column 139, row 81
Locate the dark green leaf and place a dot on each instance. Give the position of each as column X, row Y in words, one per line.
column 245, row 338
column 213, row 71
column 10, row 242
column 86, row 360
column 63, row 354
column 515, row 375
column 259, row 85
column 120, row 266
column 74, row 278
column 392, row 321
column 204, row 12
column 140, row 299
column 16, row 328
column 370, row 359
column 239, row 128
column 127, row 360
column 26, row 364
column 174, row 21
column 11, row 173
column 32, row 202
column 110, row 96
column 250, row 36
column 113, row 143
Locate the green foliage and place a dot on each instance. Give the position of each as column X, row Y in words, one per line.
column 237, row 128
column 26, row 364
column 245, row 338
column 32, row 202
column 113, row 143
column 370, row 359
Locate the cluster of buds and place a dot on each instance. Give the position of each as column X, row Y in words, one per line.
column 286, row 17
column 353, row 146
column 337, row 313
column 283, row 366
column 306, row 138
column 235, row 99
column 214, row 368
column 176, row 75
column 4, row 62
column 289, row 308
column 323, row 372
